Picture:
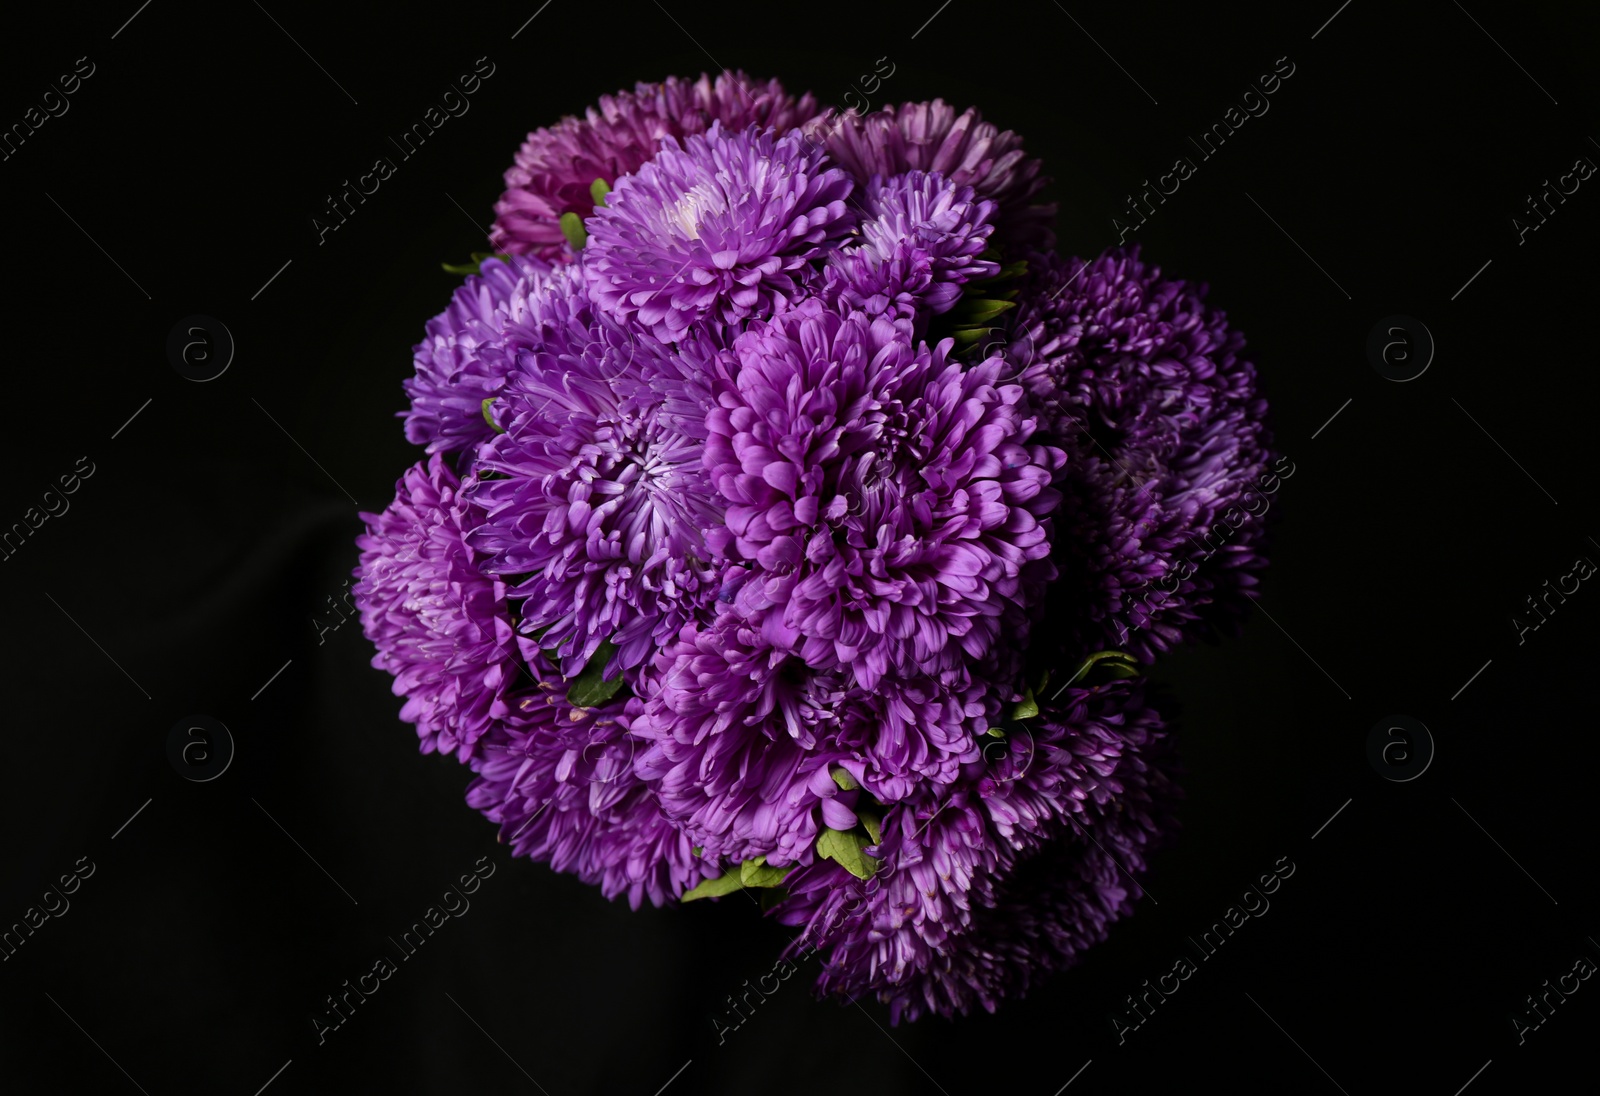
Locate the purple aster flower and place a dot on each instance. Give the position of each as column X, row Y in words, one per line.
column 738, row 738
column 889, row 498
column 556, row 166
column 965, row 149
column 1011, row 873
column 441, row 628
column 936, row 864
column 559, row 781
column 591, row 497
column 921, row 237
column 460, row 363
column 892, row 514
column 744, row 741
column 1144, row 385
column 721, row 226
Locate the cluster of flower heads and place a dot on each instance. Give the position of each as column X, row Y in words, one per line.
column 786, row 498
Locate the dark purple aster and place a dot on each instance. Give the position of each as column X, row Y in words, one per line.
column 1145, row 386
column 966, row 150
column 460, row 362
column 921, row 237
column 556, row 166
column 721, row 226
column 559, row 781
column 594, row 502
column 441, row 628
column 1011, row 873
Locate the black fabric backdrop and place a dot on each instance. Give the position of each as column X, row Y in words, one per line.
column 216, row 524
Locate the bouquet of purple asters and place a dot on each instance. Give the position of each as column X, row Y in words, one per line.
column 795, row 521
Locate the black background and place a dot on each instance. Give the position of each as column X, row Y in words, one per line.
column 220, row 519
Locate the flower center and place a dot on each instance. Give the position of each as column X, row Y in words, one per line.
column 687, row 213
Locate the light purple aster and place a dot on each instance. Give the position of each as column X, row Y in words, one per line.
column 931, row 136
column 556, row 166
column 1144, row 385
column 921, row 238
column 722, row 226
column 559, row 781
column 441, row 628
column 460, row 362
column 1010, row 873
column 594, row 503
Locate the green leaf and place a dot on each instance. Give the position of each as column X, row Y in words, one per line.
column 755, row 873
column 997, row 732
column 844, row 849
column 572, row 228
column 1116, row 663
column 841, row 776
column 598, row 191
column 976, row 310
column 698, row 849
column 486, row 417
column 714, row 888
column 589, row 688
column 966, row 337
column 1026, row 708
column 873, row 824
